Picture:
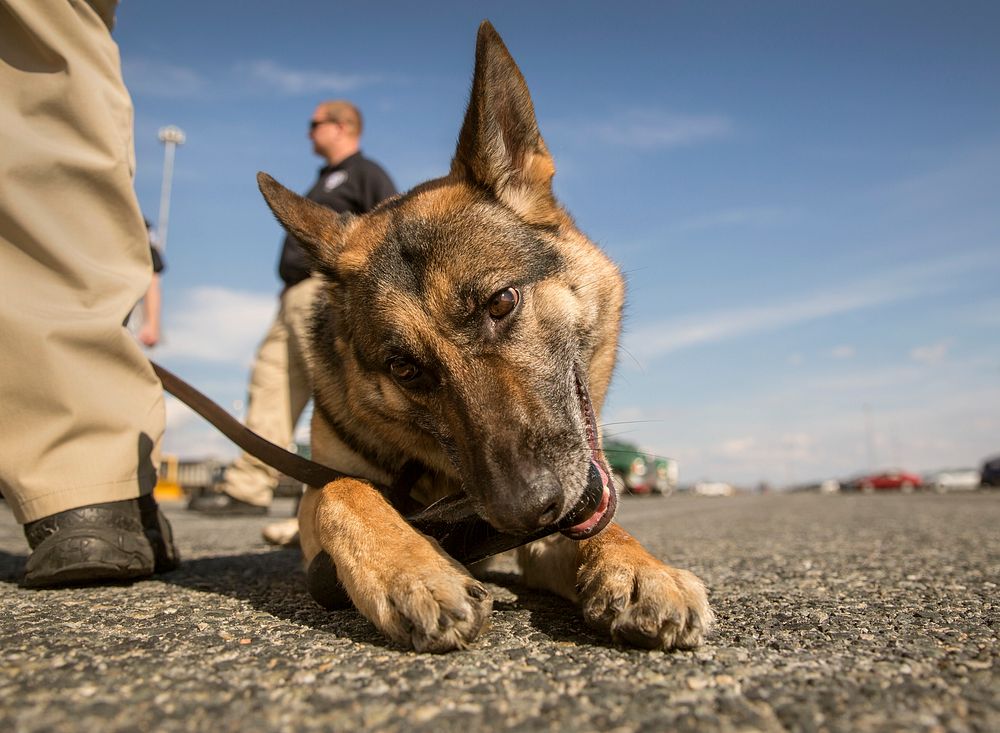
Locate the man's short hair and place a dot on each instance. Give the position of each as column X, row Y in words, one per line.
column 343, row 113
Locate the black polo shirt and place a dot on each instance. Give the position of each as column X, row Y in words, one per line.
column 158, row 264
column 354, row 185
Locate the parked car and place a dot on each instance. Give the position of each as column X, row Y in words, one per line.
column 630, row 465
column 887, row 480
column 953, row 479
column 990, row 473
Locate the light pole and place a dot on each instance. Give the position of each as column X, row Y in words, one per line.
column 171, row 137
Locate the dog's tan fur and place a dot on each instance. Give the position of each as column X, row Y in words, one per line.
column 492, row 410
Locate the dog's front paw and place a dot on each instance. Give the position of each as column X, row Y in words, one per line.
column 643, row 602
column 433, row 610
column 422, row 600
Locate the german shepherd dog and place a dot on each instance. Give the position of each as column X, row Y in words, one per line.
column 470, row 326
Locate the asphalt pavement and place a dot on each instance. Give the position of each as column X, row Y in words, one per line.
column 835, row 613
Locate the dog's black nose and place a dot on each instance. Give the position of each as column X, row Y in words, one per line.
column 529, row 505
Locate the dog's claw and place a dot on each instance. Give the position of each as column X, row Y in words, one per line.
column 666, row 608
column 430, row 607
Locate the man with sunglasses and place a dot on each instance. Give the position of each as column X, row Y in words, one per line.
column 280, row 386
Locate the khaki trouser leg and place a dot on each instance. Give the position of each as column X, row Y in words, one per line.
column 81, row 412
column 280, row 388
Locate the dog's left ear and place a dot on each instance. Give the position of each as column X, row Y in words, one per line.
column 318, row 228
column 500, row 147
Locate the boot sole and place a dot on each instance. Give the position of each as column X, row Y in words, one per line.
column 87, row 556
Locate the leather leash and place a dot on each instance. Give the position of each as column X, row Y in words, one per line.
column 290, row 464
column 452, row 521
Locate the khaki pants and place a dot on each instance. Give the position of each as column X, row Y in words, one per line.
column 280, row 388
column 81, row 411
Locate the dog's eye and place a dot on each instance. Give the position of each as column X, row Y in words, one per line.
column 403, row 369
column 502, row 303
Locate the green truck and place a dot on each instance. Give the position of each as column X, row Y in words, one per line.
column 638, row 471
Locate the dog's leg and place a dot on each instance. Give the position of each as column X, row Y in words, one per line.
column 399, row 579
column 623, row 590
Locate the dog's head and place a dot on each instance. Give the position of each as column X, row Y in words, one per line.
column 468, row 321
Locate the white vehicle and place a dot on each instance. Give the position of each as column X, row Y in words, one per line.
column 713, row 488
column 954, row 479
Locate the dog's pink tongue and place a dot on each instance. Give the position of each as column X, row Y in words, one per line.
column 598, row 514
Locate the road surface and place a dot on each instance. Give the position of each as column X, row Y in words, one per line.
column 836, row 613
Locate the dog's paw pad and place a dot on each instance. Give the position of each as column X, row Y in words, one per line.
column 651, row 605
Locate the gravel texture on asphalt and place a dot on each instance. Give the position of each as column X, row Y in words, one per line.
column 835, row 613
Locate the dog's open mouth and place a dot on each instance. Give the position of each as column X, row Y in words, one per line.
column 597, row 506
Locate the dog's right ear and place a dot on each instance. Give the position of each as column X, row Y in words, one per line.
column 318, row 228
column 500, row 147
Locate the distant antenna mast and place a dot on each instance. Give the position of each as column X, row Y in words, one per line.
column 869, row 440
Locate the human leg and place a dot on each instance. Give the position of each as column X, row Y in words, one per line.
column 83, row 410
column 298, row 306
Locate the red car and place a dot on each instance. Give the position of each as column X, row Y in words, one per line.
column 902, row 480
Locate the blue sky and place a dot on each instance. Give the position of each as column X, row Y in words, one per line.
column 803, row 196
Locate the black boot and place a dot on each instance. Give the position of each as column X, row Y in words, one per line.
column 220, row 504
column 101, row 543
column 160, row 535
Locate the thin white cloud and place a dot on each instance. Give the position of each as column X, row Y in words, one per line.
column 655, row 339
column 737, row 447
column 650, row 130
column 179, row 415
column 843, row 351
column 157, row 79
column 966, row 177
column 798, row 444
column 930, row 353
column 190, row 437
column 302, row 81
column 213, row 324
column 673, row 335
column 984, row 313
column 754, row 216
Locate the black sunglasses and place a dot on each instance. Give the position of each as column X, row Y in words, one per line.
column 313, row 124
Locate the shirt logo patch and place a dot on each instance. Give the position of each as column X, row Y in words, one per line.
column 334, row 179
